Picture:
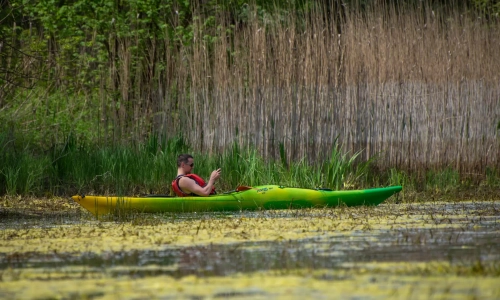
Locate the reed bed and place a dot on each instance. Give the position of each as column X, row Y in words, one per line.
column 150, row 168
column 410, row 86
column 417, row 87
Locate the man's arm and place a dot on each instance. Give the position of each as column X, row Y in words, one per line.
column 189, row 186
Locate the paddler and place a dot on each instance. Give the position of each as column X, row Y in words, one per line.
column 188, row 184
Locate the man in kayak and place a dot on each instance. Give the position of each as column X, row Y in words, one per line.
column 188, row 184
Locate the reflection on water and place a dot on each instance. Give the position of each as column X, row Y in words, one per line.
column 316, row 253
column 347, row 242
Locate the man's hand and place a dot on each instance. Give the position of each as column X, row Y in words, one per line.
column 215, row 175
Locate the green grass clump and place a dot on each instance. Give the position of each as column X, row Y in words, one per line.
column 150, row 167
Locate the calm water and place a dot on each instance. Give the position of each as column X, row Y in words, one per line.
column 458, row 234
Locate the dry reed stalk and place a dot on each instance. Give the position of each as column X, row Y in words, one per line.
column 420, row 88
column 415, row 89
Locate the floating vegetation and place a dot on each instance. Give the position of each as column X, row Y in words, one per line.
column 292, row 285
column 436, row 249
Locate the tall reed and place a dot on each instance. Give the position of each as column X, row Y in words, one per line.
column 150, row 168
column 418, row 86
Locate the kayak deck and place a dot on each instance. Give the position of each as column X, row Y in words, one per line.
column 255, row 198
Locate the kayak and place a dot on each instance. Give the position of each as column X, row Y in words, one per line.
column 265, row 197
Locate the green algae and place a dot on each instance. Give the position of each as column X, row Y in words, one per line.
column 430, row 250
column 292, row 285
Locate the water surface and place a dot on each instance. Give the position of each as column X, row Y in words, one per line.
column 440, row 249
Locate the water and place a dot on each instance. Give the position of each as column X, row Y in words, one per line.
column 257, row 254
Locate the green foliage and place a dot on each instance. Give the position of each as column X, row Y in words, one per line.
column 402, row 178
column 22, row 173
column 489, row 8
column 444, row 180
column 492, row 177
column 340, row 169
column 150, row 167
column 51, row 131
column 81, row 37
column 43, row 121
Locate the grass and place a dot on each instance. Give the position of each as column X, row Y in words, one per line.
column 149, row 168
column 418, row 84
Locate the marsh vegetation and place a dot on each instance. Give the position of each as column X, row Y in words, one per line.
column 100, row 98
column 413, row 83
column 393, row 250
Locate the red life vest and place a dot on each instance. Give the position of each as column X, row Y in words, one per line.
column 199, row 181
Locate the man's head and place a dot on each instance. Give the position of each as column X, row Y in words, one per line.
column 186, row 162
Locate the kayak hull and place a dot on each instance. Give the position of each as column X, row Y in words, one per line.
column 256, row 198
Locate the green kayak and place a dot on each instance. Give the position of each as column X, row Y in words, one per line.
column 244, row 198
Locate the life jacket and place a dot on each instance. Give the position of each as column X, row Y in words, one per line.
column 199, row 181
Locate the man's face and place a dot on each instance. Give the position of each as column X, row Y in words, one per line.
column 188, row 167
